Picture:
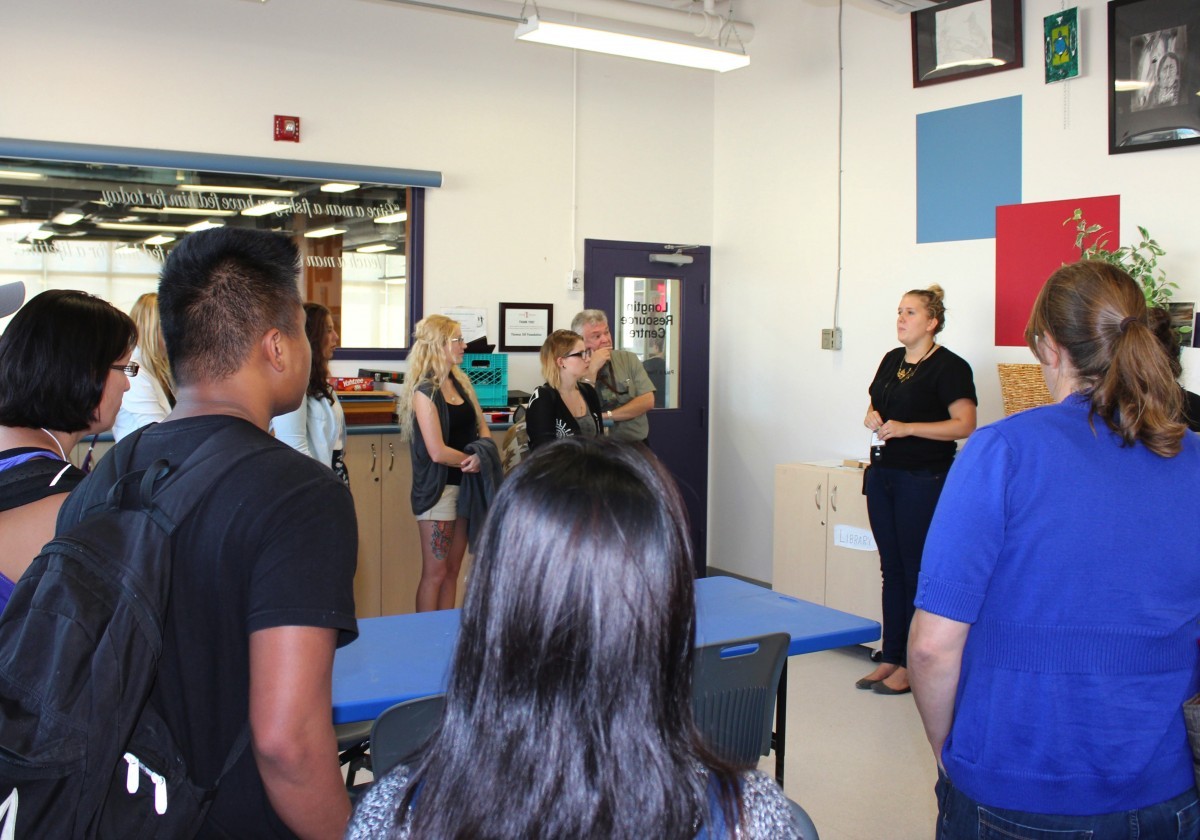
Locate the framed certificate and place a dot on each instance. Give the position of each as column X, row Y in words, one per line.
column 525, row 326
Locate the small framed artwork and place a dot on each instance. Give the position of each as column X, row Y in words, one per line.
column 525, row 326
column 964, row 38
column 1062, row 45
column 1153, row 74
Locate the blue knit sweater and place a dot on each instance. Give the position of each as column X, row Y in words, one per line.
column 1076, row 561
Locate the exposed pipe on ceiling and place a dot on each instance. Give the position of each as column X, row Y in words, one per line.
column 701, row 24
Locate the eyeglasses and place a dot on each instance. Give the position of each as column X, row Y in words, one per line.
column 459, row 340
column 582, row 354
column 129, row 370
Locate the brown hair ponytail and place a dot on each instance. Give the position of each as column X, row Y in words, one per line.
column 1097, row 314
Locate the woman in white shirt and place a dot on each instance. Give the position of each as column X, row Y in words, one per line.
column 151, row 393
column 318, row 427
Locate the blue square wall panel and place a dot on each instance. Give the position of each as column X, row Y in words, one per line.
column 968, row 164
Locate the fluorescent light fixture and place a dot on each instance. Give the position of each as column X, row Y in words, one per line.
column 377, row 248
column 22, row 175
column 183, row 211
column 392, row 218
column 234, row 190
column 339, row 187
column 138, row 228
column 594, row 39
column 10, row 202
column 266, row 208
column 41, row 233
column 161, row 239
column 321, row 233
column 68, row 217
column 205, row 224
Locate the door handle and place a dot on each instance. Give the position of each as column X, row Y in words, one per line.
column 374, row 457
column 817, row 496
column 391, row 455
column 833, row 497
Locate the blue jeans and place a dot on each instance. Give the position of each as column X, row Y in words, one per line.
column 962, row 818
column 900, row 505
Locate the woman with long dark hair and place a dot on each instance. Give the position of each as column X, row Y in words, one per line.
column 569, row 709
column 318, row 427
column 1054, row 641
column 922, row 401
column 64, row 365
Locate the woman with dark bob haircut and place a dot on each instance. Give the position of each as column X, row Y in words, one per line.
column 569, row 709
column 1054, row 642
column 64, row 365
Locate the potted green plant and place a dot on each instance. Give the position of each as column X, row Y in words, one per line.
column 1139, row 261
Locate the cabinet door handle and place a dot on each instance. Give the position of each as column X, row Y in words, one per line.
column 391, row 455
column 817, row 496
column 833, row 497
column 374, row 457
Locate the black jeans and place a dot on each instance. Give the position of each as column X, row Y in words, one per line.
column 900, row 504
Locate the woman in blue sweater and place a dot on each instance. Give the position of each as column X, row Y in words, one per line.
column 1058, row 606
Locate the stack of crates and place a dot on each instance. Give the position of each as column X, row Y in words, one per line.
column 488, row 373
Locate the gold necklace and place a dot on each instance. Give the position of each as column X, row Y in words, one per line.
column 905, row 375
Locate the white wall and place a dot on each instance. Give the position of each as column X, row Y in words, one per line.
column 777, row 397
column 377, row 83
column 746, row 161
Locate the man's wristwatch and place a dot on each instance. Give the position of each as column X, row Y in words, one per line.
column 608, row 414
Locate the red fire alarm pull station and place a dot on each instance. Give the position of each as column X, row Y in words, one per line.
column 287, row 128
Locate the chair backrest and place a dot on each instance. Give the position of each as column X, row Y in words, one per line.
column 1022, row 387
column 733, row 695
column 401, row 732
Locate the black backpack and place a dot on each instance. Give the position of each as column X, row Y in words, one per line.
column 82, row 753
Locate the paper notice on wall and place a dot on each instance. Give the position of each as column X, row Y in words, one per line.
column 856, row 539
column 473, row 321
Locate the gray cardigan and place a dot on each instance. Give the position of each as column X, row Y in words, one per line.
column 429, row 477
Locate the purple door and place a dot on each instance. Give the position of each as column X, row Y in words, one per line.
column 657, row 302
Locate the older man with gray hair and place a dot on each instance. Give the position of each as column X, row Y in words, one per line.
column 626, row 392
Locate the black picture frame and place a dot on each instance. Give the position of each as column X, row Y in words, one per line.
column 514, row 338
column 1006, row 46
column 1147, row 109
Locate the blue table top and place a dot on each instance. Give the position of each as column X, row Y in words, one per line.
column 400, row 657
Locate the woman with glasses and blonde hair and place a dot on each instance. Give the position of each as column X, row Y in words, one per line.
column 150, row 397
column 440, row 417
column 565, row 405
column 1054, row 641
column 64, row 365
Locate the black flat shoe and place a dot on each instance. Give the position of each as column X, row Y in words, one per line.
column 866, row 683
column 882, row 688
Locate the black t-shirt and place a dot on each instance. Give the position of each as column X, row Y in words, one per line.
column 463, row 429
column 273, row 545
column 924, row 397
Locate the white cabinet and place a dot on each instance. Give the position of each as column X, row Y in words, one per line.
column 823, row 548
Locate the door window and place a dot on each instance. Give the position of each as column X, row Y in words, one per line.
column 647, row 324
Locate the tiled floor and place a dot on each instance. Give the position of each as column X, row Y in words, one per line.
column 858, row 762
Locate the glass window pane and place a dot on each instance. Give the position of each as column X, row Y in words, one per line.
column 647, row 323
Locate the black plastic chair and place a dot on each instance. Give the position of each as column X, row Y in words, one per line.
column 733, row 699
column 353, row 744
column 401, row 732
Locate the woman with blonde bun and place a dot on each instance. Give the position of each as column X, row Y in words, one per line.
column 440, row 416
column 922, row 401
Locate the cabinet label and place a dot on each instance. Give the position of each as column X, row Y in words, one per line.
column 858, row 539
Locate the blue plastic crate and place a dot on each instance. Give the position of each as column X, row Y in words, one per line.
column 488, row 373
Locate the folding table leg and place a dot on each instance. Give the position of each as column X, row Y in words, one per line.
column 779, row 736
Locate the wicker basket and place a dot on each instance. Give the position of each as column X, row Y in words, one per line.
column 1022, row 387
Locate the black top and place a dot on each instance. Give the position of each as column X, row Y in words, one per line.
column 1191, row 410
column 463, row 430
column 923, row 397
column 547, row 417
column 430, row 478
column 273, row 545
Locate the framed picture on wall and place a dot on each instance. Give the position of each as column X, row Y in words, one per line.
column 965, row 38
column 1153, row 74
column 524, row 326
